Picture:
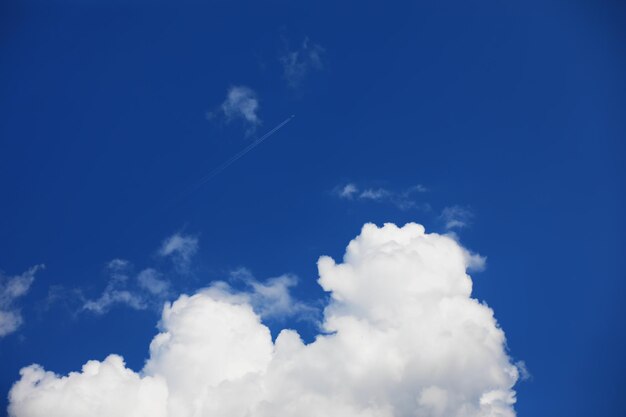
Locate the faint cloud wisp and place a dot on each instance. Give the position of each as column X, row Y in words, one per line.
column 12, row 288
column 404, row 199
column 180, row 248
column 298, row 63
column 456, row 217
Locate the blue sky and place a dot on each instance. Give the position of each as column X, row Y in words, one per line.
column 507, row 118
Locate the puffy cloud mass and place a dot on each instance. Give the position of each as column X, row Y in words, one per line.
column 402, row 336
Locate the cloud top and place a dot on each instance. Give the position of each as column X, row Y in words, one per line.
column 402, row 337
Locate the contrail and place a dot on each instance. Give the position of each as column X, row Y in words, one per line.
column 235, row 157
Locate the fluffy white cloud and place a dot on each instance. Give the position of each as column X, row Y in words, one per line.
column 402, row 337
column 242, row 103
column 12, row 288
column 101, row 389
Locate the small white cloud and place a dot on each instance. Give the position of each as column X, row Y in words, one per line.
column 241, row 103
column 377, row 194
column 180, row 248
column 12, row 288
column 456, row 217
column 113, row 295
column 150, row 280
column 524, row 373
column 118, row 264
column 270, row 299
column 148, row 289
column 347, row 192
column 297, row 64
column 403, row 199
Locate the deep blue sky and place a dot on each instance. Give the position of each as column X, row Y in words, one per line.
column 512, row 110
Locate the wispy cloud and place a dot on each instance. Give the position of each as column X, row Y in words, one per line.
column 12, row 288
column 117, row 291
column 298, row 63
column 241, row 103
column 347, row 191
column 524, row 373
column 272, row 298
column 146, row 289
column 403, row 199
column 456, row 217
column 149, row 288
column 180, row 248
column 152, row 280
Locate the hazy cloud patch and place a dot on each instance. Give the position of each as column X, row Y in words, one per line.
column 404, row 199
column 117, row 291
column 11, row 289
column 298, row 63
column 456, row 217
column 180, row 248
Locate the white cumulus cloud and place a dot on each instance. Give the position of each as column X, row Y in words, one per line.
column 12, row 288
column 402, row 337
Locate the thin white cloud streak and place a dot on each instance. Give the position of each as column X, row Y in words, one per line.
column 404, row 199
column 11, row 289
column 402, row 337
column 298, row 63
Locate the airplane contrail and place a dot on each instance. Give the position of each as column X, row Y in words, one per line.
column 235, row 157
